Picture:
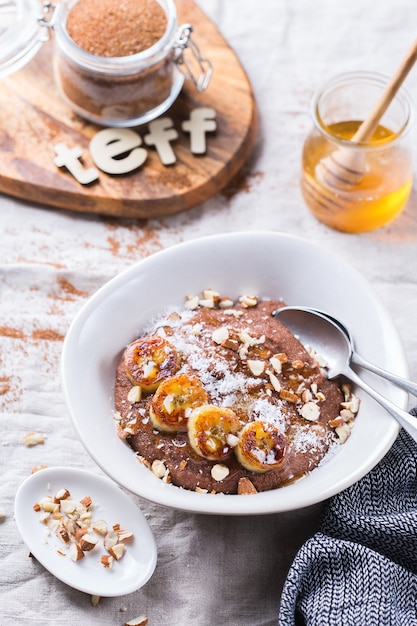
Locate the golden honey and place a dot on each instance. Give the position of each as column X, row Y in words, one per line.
column 383, row 190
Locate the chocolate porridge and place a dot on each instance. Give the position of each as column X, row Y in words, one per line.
column 221, row 397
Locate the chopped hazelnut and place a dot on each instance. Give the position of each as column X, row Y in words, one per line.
column 135, row 394
column 219, row 472
column 310, row 411
column 159, row 468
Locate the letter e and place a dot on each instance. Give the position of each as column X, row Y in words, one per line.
column 110, row 143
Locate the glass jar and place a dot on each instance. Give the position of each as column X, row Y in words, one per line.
column 357, row 186
column 111, row 91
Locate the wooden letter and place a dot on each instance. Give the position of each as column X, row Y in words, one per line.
column 161, row 133
column 110, row 143
column 69, row 158
column 201, row 121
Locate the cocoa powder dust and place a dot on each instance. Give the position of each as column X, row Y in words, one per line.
column 116, row 29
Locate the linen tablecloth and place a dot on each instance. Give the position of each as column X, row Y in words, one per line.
column 211, row 570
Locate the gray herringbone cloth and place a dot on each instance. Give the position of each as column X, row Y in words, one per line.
column 361, row 568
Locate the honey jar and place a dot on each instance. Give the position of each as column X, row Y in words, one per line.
column 122, row 83
column 374, row 178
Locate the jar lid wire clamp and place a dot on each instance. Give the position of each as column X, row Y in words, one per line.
column 48, row 17
column 201, row 73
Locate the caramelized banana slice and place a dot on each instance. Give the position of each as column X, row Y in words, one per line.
column 149, row 361
column 212, row 430
column 261, row 447
column 174, row 400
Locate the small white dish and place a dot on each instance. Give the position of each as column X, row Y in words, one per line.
column 128, row 574
column 267, row 264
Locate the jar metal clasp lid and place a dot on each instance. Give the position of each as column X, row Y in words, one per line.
column 48, row 18
column 201, row 73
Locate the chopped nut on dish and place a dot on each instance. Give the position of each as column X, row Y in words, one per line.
column 86, row 501
column 72, row 523
column 117, row 551
column 76, row 553
column 297, row 364
column 342, row 432
column 310, row 411
column 135, row 394
column 100, row 527
column 191, row 303
column 210, row 294
column 107, row 561
column 246, row 487
column 64, row 534
column 220, row 334
column 287, row 395
column 110, row 539
column 344, row 423
column 61, row 494
column 306, row 395
column 219, row 471
column 276, row 364
column 256, row 367
column 336, row 422
column 225, row 303
column 274, row 382
column 125, row 535
column 88, row 542
column 248, row 301
column 159, row 468
column 231, row 344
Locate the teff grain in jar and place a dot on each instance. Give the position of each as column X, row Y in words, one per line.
column 114, row 61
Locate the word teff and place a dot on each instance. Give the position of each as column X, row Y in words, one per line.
column 118, row 150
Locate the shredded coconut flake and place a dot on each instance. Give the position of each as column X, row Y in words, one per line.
column 306, row 439
column 264, row 410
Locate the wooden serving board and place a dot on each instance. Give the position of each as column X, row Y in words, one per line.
column 34, row 119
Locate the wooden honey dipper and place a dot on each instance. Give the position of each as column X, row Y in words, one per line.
column 345, row 168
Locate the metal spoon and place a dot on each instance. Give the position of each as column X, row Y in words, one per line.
column 328, row 338
column 403, row 383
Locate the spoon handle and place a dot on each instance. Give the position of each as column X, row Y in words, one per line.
column 407, row 385
column 407, row 421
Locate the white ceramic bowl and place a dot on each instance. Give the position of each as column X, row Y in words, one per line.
column 272, row 265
